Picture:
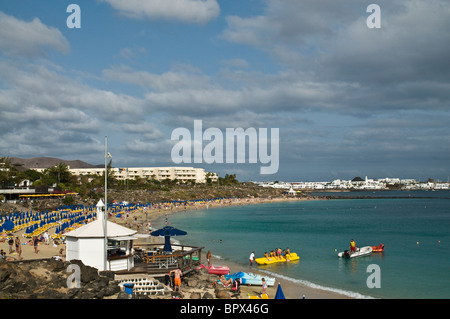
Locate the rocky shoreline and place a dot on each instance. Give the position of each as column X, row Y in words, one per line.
column 47, row 279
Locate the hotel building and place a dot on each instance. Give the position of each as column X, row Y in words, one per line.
column 185, row 174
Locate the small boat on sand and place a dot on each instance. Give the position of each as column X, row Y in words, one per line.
column 251, row 279
column 363, row 251
column 217, row 270
column 378, row 249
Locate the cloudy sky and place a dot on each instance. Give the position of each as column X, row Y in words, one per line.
column 348, row 100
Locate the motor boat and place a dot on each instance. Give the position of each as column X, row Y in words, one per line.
column 363, row 251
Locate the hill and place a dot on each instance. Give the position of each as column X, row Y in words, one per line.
column 46, row 162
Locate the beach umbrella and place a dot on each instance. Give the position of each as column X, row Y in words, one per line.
column 167, row 232
column 279, row 294
column 8, row 225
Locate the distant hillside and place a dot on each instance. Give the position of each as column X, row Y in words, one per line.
column 46, row 162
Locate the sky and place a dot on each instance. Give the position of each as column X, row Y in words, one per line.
column 347, row 99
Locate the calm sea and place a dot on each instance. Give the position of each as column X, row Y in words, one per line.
column 414, row 228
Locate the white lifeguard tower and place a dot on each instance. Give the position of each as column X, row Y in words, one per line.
column 291, row 192
column 87, row 243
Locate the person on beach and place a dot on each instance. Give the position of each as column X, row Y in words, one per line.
column 18, row 248
column 208, row 258
column 46, row 238
column 11, row 243
column 177, row 280
column 35, row 244
column 61, row 253
column 225, row 282
column 352, row 246
column 17, row 242
column 264, row 286
column 252, row 258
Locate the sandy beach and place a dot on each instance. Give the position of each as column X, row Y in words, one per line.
column 291, row 290
column 138, row 220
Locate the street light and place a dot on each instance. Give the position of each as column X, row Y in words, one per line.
column 107, row 154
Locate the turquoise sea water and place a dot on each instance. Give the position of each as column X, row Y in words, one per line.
column 415, row 231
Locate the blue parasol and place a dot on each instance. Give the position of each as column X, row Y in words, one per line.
column 167, row 232
column 8, row 225
column 279, row 294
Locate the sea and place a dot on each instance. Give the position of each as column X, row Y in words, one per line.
column 414, row 226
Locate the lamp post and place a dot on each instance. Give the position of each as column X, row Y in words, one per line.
column 106, row 204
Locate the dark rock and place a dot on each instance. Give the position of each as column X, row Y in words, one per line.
column 123, row 295
column 192, row 283
column 58, row 280
column 57, row 265
column 112, row 289
column 101, row 283
column 88, row 273
column 195, row 295
column 207, row 295
column 222, row 294
column 6, row 271
column 108, row 274
column 88, row 294
column 73, row 293
column 51, row 294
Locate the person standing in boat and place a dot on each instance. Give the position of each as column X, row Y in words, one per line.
column 352, row 246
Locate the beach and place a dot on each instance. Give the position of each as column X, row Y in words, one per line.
column 291, row 290
column 140, row 218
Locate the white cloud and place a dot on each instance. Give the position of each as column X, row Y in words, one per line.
column 236, row 63
column 173, row 80
column 18, row 37
column 42, row 88
column 190, row 11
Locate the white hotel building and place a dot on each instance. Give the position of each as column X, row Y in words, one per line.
column 185, row 174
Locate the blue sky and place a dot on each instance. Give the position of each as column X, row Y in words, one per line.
column 348, row 100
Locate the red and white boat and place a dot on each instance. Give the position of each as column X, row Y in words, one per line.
column 217, row 270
